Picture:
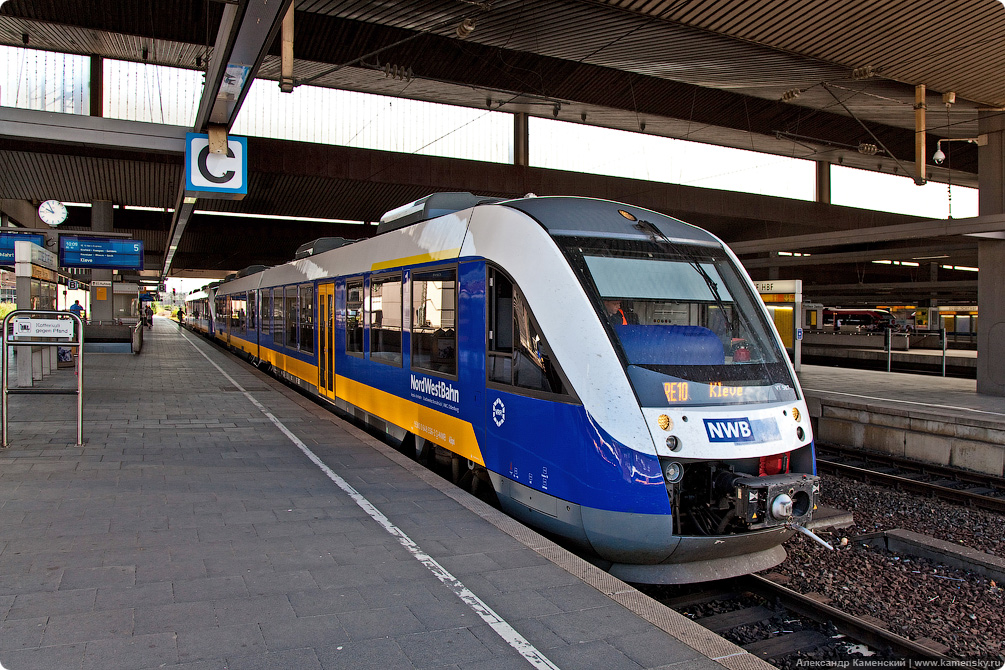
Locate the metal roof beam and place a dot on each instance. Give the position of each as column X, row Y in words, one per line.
column 989, row 224
column 964, row 284
column 896, row 254
column 247, row 31
column 26, row 124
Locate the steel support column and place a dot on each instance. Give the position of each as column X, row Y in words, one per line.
column 521, row 139
column 823, row 190
column 991, row 260
column 101, row 222
column 97, row 86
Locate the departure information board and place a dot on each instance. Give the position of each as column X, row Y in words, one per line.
column 100, row 252
column 7, row 241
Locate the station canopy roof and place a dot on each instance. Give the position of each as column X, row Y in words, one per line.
column 832, row 81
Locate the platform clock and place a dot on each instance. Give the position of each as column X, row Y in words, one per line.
column 52, row 212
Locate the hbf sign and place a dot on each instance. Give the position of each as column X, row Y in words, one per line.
column 209, row 175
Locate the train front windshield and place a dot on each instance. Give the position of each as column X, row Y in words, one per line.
column 690, row 329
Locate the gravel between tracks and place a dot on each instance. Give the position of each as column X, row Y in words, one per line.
column 914, row 597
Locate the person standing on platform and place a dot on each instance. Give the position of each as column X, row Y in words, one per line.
column 77, row 309
column 148, row 316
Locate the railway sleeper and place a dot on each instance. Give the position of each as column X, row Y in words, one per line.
column 718, row 623
column 788, row 643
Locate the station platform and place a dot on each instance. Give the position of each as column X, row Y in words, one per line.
column 214, row 518
column 929, row 418
column 958, row 362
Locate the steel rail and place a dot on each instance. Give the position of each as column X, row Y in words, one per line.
column 913, row 486
column 935, row 469
column 849, row 624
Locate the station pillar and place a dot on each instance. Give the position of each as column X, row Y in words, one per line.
column 102, row 291
column 521, row 139
column 991, row 259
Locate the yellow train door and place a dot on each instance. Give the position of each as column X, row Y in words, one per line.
column 326, row 340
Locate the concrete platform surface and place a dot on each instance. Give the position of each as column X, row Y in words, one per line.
column 216, row 519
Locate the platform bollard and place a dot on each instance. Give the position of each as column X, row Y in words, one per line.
column 889, row 348
column 943, row 336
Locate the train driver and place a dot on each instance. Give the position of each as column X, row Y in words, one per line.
column 617, row 315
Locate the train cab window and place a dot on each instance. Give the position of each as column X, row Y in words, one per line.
column 354, row 317
column 518, row 355
column 307, row 319
column 290, row 312
column 699, row 334
column 434, row 321
column 385, row 319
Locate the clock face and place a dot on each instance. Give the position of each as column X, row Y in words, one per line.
column 52, row 212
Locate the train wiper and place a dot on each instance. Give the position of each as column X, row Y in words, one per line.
column 714, row 288
column 654, row 232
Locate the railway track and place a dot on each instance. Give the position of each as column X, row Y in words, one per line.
column 776, row 623
column 959, row 486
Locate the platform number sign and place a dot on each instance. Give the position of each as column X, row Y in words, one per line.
column 210, row 175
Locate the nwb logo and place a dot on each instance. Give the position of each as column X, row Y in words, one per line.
column 729, row 430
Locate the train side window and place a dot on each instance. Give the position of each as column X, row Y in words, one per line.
column 279, row 311
column 354, row 317
column 222, row 314
column 434, row 321
column 252, row 310
column 266, row 311
column 518, row 354
column 278, row 318
column 307, row 319
column 237, row 313
column 385, row 319
column 290, row 310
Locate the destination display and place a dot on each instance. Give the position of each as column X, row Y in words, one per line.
column 7, row 241
column 100, row 252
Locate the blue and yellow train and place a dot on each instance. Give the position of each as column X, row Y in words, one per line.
column 608, row 369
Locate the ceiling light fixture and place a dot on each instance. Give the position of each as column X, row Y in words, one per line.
column 465, row 28
column 864, row 72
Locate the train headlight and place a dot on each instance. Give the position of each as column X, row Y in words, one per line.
column 665, row 422
column 673, row 443
column 781, row 507
column 800, row 433
column 674, row 472
column 796, row 414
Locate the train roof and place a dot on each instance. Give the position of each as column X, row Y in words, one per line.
column 559, row 216
column 567, row 216
column 430, row 207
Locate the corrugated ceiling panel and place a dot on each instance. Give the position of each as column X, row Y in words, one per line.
column 75, row 40
column 83, row 179
column 945, row 44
